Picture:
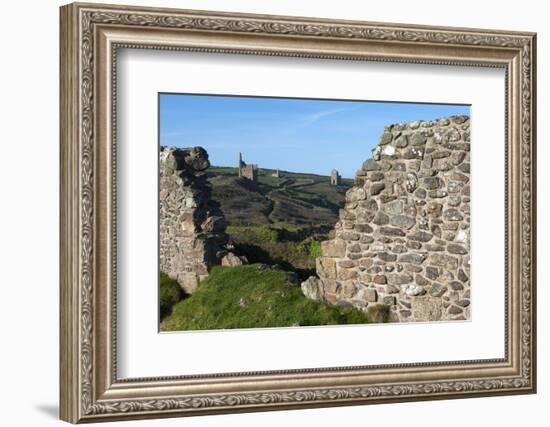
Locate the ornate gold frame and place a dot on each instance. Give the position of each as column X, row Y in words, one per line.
column 90, row 36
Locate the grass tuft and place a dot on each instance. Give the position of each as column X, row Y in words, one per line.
column 315, row 249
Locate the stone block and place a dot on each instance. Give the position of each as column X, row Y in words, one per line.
column 231, row 260
column 370, row 294
column 437, row 290
column 386, row 138
column 389, row 300
column 326, row 267
column 427, row 308
column 333, row 248
column 443, row 260
column 420, row 236
column 386, row 257
column 371, row 165
column 456, row 249
column 346, row 274
column 418, row 139
column 380, row 279
column 414, row 258
column 399, row 279
column 392, row 231
column 453, row 214
column 188, row 281
column 349, row 236
column 403, row 221
column 346, row 263
column 376, row 188
column 312, row 289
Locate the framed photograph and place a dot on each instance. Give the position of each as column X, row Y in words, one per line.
column 266, row 212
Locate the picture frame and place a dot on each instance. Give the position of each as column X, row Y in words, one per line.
column 91, row 36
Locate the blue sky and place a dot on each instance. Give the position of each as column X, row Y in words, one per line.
column 298, row 135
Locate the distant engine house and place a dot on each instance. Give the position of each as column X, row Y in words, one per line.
column 335, row 178
column 247, row 171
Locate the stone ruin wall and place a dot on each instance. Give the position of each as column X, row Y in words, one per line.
column 403, row 237
column 192, row 228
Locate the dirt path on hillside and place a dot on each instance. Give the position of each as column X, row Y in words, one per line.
column 294, row 184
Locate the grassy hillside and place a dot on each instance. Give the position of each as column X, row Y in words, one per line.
column 294, row 198
column 292, row 248
column 278, row 220
column 278, row 224
column 256, row 296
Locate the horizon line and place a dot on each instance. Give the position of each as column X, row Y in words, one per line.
column 280, row 170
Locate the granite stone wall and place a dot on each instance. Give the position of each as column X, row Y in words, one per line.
column 403, row 237
column 192, row 227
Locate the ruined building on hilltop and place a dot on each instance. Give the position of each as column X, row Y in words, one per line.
column 247, row 171
column 335, row 178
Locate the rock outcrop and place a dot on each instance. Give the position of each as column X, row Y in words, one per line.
column 403, row 237
column 192, row 227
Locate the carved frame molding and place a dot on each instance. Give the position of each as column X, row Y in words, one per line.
column 90, row 36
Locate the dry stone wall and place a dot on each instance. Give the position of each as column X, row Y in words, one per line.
column 192, row 227
column 403, row 237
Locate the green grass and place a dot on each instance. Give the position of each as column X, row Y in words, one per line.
column 315, row 249
column 170, row 294
column 287, row 246
column 255, row 296
column 270, row 181
column 267, row 234
column 294, row 198
column 258, row 233
column 222, row 170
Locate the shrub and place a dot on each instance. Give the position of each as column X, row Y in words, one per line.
column 267, row 234
column 170, row 293
column 315, row 249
